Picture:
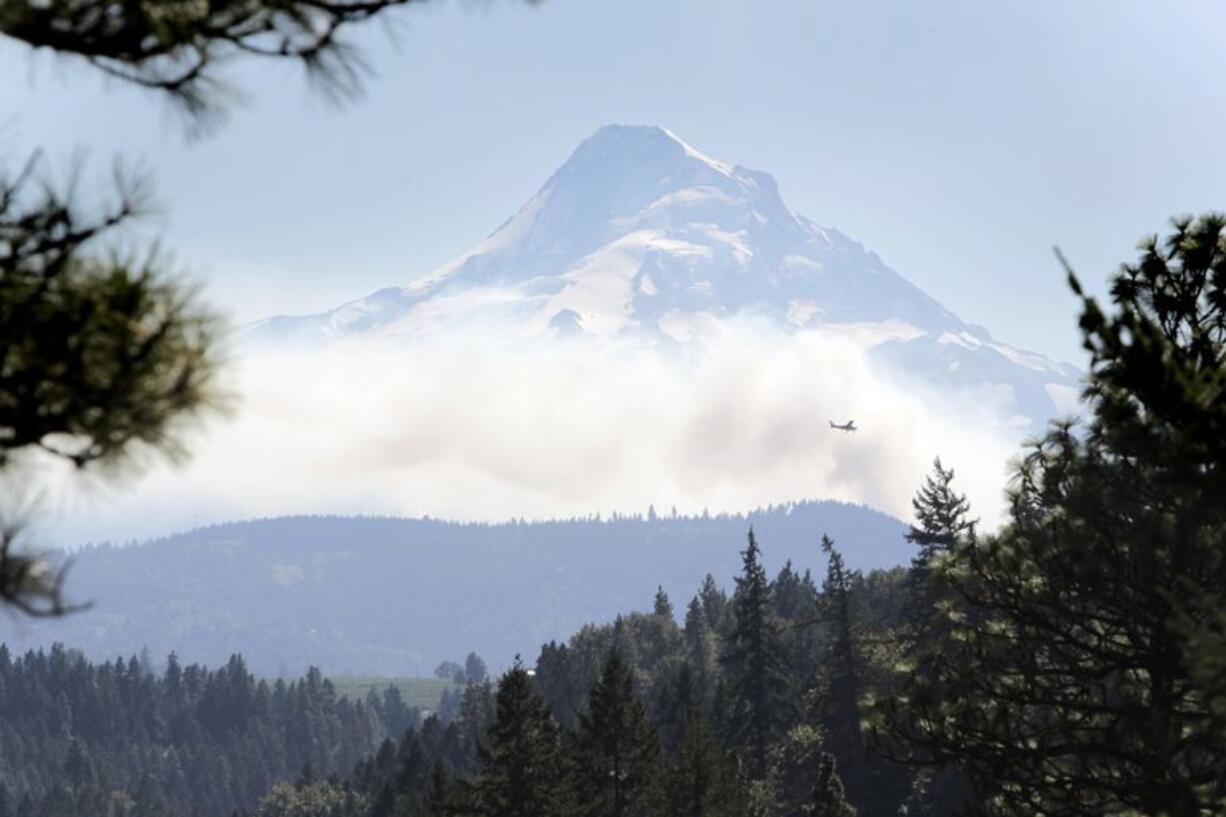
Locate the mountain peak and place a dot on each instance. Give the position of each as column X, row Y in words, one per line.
column 639, row 234
column 636, row 144
column 638, row 229
column 621, row 170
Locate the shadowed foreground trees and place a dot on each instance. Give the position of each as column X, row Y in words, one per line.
column 753, row 658
column 523, row 767
column 615, row 748
column 102, row 354
column 1068, row 682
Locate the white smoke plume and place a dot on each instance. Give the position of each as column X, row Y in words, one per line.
column 461, row 426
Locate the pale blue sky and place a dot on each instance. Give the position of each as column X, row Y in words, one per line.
column 960, row 140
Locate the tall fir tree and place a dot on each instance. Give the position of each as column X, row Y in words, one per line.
column 828, row 798
column 714, row 602
column 615, row 748
column 475, row 670
column 701, row 780
column 438, row 796
column 523, row 767
column 477, row 712
column 700, row 648
column 942, row 520
column 753, row 657
column 795, row 596
column 942, row 517
column 843, row 683
column 662, row 607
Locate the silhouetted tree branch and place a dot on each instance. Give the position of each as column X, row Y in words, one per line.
column 173, row 46
column 102, row 353
column 31, row 583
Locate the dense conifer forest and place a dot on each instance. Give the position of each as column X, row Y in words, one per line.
column 124, row 738
column 743, row 700
column 740, row 697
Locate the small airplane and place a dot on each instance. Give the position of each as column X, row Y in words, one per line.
column 850, row 425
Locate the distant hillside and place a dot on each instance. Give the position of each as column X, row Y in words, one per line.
column 389, row 596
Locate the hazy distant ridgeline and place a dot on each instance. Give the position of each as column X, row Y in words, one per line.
column 396, row 596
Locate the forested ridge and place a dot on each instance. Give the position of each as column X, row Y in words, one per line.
column 294, row 592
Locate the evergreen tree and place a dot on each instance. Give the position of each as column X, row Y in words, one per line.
column 102, row 354
column 701, row 781
column 663, row 607
column 412, row 780
column 523, row 769
column 438, row 798
column 78, row 768
column 1067, row 686
column 714, row 602
column 448, row 705
column 681, row 698
column 556, row 671
column 941, row 521
column 795, row 596
column 828, row 799
column 475, row 669
column 700, row 648
column 477, row 713
column 616, row 748
column 843, row 683
column 754, row 667
column 941, row 517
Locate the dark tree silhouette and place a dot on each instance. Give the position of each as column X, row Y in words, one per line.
column 101, row 355
column 174, row 47
column 615, row 748
column 753, row 657
column 1069, row 683
column 523, row 769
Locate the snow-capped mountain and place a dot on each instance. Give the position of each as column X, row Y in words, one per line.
column 640, row 234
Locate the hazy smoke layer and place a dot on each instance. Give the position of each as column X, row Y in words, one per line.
column 468, row 428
